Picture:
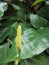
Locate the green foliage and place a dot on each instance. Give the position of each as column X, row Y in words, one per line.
column 34, row 20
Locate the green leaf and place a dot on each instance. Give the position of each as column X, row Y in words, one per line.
column 8, row 54
column 16, row 7
column 44, row 11
column 8, row 31
column 41, row 59
column 37, row 1
column 34, row 42
column 7, row 22
column 3, row 8
column 38, row 21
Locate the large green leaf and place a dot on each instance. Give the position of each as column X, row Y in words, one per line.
column 34, row 42
column 38, row 21
column 3, row 8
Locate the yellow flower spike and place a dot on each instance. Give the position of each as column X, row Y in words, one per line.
column 18, row 44
column 18, row 39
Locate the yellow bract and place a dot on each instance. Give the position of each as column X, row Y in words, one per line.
column 18, row 39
